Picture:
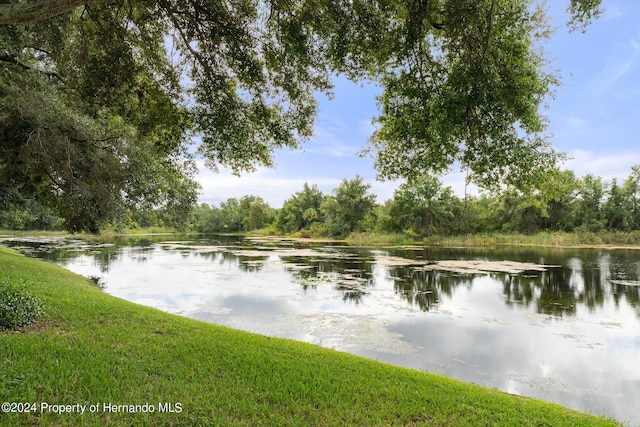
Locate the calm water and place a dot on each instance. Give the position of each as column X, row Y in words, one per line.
column 565, row 330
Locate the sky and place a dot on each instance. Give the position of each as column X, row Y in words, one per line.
column 594, row 118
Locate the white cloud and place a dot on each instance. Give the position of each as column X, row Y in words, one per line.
column 623, row 59
column 366, row 127
column 577, row 122
column 457, row 182
column 333, row 138
column 384, row 189
column 612, row 12
column 266, row 183
column 608, row 166
column 273, row 186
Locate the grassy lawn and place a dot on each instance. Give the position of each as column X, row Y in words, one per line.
column 94, row 349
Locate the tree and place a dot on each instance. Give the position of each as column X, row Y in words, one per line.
column 19, row 213
column 631, row 194
column 589, row 203
column 349, row 206
column 463, row 82
column 301, row 210
column 86, row 129
column 36, row 11
column 207, row 219
column 558, row 194
column 615, row 209
column 548, row 207
column 423, row 206
column 96, row 116
column 256, row 213
column 231, row 215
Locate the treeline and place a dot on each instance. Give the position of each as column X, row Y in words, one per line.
column 20, row 213
column 424, row 207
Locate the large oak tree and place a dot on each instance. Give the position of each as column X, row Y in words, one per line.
column 99, row 101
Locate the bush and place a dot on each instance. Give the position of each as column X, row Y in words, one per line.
column 17, row 306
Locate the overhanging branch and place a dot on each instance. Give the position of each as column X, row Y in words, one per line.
column 35, row 11
column 12, row 59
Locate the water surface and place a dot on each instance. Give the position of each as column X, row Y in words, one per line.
column 562, row 325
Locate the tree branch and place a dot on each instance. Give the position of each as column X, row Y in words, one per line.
column 12, row 59
column 36, row 11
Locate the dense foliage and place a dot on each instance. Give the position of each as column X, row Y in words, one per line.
column 17, row 306
column 423, row 207
column 99, row 101
column 420, row 207
column 233, row 215
column 87, row 129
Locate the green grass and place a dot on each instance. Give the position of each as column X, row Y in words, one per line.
column 32, row 233
column 92, row 348
column 557, row 239
column 375, row 238
column 104, row 234
column 544, row 238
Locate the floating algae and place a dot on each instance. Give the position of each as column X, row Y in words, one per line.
column 464, row 266
column 292, row 253
column 625, row 282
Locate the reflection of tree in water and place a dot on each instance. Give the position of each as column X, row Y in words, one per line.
column 557, row 296
column 349, row 275
column 105, row 256
column 252, row 265
column 631, row 295
column 518, row 290
column 62, row 251
column 625, row 266
column 590, row 274
column 590, row 289
column 555, row 292
column 222, row 256
column 352, row 295
column 582, row 280
column 424, row 288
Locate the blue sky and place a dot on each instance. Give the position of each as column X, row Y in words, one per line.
column 594, row 118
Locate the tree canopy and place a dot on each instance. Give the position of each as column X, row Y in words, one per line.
column 99, row 101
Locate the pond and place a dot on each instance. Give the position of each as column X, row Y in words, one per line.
column 562, row 325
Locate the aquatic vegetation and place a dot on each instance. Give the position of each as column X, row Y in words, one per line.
column 313, row 281
column 625, row 282
column 464, row 266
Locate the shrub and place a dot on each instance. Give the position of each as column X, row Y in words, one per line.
column 17, row 306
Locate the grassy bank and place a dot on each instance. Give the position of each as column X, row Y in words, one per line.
column 104, row 234
column 557, row 239
column 605, row 238
column 94, row 349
